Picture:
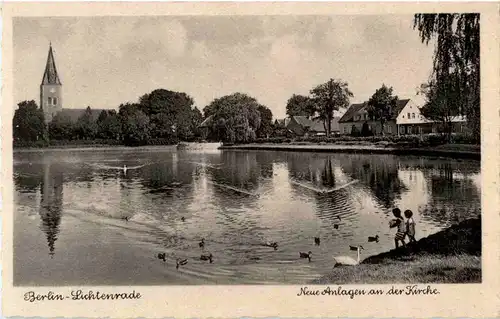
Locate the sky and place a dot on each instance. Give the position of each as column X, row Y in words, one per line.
column 105, row 61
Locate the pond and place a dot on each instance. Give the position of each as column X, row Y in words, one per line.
column 79, row 219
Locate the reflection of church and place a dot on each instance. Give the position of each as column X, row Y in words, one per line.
column 51, row 204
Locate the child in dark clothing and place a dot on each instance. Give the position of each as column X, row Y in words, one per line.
column 410, row 226
column 400, row 224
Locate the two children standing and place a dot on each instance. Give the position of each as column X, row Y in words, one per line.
column 404, row 228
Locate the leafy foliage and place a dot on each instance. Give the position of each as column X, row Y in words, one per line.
column 300, row 105
column 381, row 105
column 329, row 97
column 236, row 118
column 135, row 124
column 454, row 87
column 29, row 122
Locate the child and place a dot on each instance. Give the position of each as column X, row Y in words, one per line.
column 410, row 226
column 399, row 223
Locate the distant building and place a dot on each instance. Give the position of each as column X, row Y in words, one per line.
column 51, row 94
column 406, row 119
column 305, row 126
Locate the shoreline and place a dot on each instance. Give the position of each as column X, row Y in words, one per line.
column 452, row 255
column 358, row 148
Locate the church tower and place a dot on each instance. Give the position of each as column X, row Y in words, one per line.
column 50, row 89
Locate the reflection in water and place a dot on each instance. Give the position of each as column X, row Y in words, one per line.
column 51, row 204
column 180, row 197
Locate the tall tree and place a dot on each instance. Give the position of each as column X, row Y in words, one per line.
column 455, row 82
column 135, row 124
column 381, row 105
column 29, row 122
column 86, row 127
column 300, row 105
column 108, row 125
column 169, row 112
column 236, row 118
column 328, row 98
column 61, row 127
column 266, row 121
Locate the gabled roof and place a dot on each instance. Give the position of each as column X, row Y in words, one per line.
column 74, row 114
column 50, row 75
column 356, row 108
column 400, row 104
column 303, row 121
column 351, row 111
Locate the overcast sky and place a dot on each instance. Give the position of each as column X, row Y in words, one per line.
column 105, row 61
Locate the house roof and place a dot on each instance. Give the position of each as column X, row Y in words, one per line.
column 74, row 114
column 355, row 108
column 319, row 127
column 50, row 75
column 351, row 111
column 303, row 121
column 400, row 104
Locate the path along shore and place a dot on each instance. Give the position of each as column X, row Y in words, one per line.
column 452, row 255
column 448, row 150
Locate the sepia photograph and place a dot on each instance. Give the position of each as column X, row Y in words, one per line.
column 233, row 154
column 247, row 150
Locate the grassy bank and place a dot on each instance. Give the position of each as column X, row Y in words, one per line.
column 449, row 256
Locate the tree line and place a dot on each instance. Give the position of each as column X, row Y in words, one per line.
column 452, row 90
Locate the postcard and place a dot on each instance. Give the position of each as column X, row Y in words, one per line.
column 281, row 159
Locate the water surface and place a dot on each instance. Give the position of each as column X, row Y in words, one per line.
column 70, row 205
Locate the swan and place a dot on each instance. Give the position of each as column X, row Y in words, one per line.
column 180, row 262
column 125, row 169
column 347, row 260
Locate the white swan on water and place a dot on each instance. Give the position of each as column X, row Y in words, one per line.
column 348, row 260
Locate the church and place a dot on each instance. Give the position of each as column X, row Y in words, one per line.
column 51, row 101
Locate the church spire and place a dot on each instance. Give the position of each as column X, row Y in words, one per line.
column 50, row 75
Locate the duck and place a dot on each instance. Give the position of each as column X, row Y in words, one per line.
column 180, row 262
column 207, row 257
column 317, row 241
column 126, row 218
column 273, row 245
column 202, row 243
column 162, row 256
column 348, row 260
column 306, row 255
column 183, row 219
column 373, row 239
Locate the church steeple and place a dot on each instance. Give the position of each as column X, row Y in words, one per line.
column 50, row 75
column 50, row 89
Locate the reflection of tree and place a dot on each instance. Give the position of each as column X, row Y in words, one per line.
column 265, row 162
column 51, row 204
column 378, row 172
column 453, row 198
column 158, row 176
column 240, row 170
column 328, row 176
